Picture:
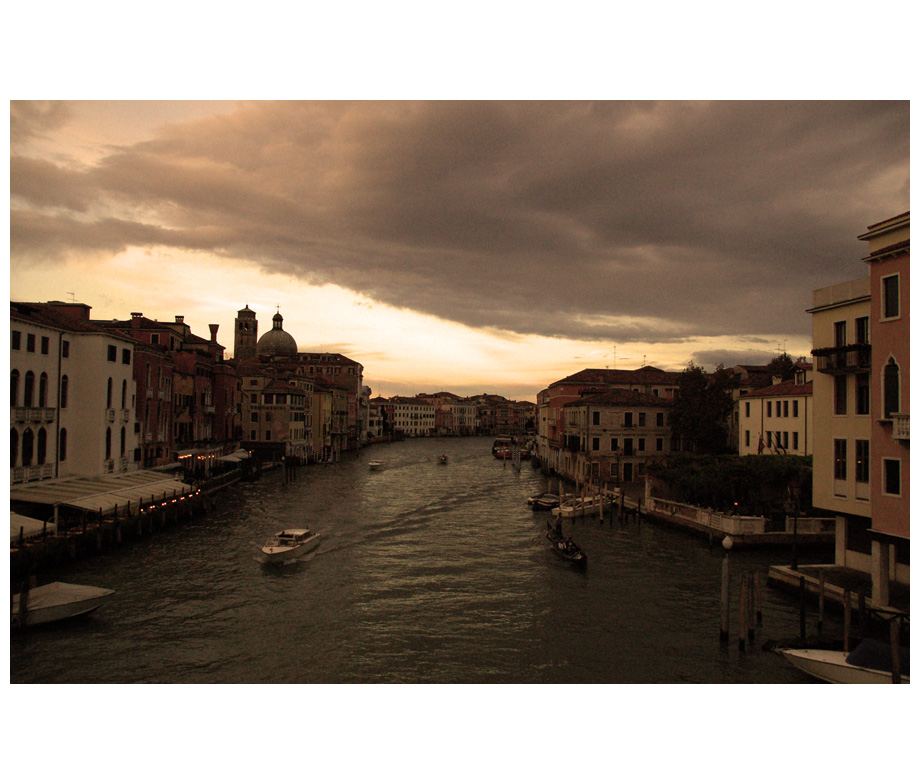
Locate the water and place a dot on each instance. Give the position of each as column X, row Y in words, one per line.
column 426, row 573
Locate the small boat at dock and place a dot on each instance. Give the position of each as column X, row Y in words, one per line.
column 577, row 507
column 289, row 544
column 564, row 548
column 56, row 602
column 543, row 501
column 870, row 662
column 375, row 465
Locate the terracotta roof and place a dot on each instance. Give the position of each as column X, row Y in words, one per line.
column 644, row 375
column 785, row 389
column 887, row 220
column 619, row 397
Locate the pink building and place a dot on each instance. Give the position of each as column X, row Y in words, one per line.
column 889, row 264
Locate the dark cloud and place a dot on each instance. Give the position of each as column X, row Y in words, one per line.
column 612, row 220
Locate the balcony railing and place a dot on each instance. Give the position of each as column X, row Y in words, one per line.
column 843, row 359
column 900, row 427
column 31, row 473
column 32, row 414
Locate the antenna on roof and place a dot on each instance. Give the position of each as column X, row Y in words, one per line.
column 71, row 296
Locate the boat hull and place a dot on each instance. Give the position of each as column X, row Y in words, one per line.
column 832, row 667
column 277, row 554
column 57, row 602
column 579, row 508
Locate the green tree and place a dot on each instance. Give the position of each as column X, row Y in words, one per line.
column 700, row 410
column 782, row 366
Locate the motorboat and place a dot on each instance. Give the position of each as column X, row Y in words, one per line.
column 442, row 459
column 375, row 465
column 501, row 444
column 869, row 662
column 56, row 602
column 543, row 501
column 564, row 548
column 577, row 507
column 289, row 544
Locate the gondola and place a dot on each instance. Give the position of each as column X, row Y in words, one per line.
column 564, row 548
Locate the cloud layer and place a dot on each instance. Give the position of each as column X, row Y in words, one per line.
column 605, row 221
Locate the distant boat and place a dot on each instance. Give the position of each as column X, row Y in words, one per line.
column 374, row 465
column 502, row 443
column 289, row 544
column 870, row 662
column 56, row 602
column 442, row 459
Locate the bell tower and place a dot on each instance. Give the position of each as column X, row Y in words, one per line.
column 245, row 334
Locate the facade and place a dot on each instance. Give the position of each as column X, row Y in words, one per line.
column 889, row 473
column 72, row 394
column 779, row 418
column 861, row 430
column 412, row 416
column 610, row 436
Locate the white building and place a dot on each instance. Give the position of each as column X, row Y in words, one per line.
column 412, row 416
column 778, row 419
column 72, row 395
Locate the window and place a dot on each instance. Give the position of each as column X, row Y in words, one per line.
column 840, row 395
column 14, row 388
column 28, row 444
column 28, row 389
column 862, row 460
column 891, row 297
column 268, row 435
column 840, row 458
column 42, row 446
column 747, row 410
column 769, row 408
column 891, row 391
column 124, row 393
column 659, row 419
column 641, row 419
column 108, row 394
column 786, row 408
column 862, row 393
column 65, row 349
column 14, row 446
column 16, row 340
column 862, row 329
column 795, row 439
column 112, row 354
column 840, row 333
column 30, row 343
column 46, row 345
column 123, row 442
column 595, row 417
column 628, row 419
column 747, row 437
column 659, row 444
column 65, row 385
column 254, row 416
column 62, row 444
column 43, row 390
column 795, row 408
column 108, row 443
column 614, row 444
column 126, row 356
column 892, row 469
column 595, row 444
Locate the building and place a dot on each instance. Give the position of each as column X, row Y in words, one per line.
column 412, row 416
column 72, row 394
column 778, row 418
column 861, row 409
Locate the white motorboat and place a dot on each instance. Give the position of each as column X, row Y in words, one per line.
column 836, row 666
column 577, row 507
column 374, row 465
column 56, row 602
column 289, row 544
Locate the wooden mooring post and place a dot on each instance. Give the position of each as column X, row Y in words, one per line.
column 895, row 650
column 846, row 620
column 742, row 610
column 802, row 608
column 820, row 602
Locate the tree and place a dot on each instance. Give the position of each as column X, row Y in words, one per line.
column 782, row 366
column 700, row 410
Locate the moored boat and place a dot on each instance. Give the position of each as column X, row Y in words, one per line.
column 56, row 602
column 289, row 544
column 577, row 507
column 543, row 501
column 375, row 465
column 869, row 662
column 564, row 548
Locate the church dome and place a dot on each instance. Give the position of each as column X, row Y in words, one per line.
column 277, row 342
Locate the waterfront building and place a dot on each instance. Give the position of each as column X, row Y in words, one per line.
column 412, row 416
column 778, row 419
column 72, row 394
column 610, row 436
column 861, row 428
column 550, row 422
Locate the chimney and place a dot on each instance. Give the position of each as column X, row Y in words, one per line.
column 136, row 319
column 180, row 319
column 213, row 328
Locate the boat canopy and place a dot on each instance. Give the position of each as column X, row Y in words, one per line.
column 95, row 493
column 235, row 457
column 29, row 525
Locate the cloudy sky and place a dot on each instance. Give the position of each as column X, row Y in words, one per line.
column 471, row 246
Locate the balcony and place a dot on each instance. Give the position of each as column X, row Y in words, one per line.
column 843, row 359
column 900, row 427
column 32, row 414
column 31, row 473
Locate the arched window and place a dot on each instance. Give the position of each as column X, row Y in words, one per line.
column 42, row 446
column 891, row 391
column 14, row 388
column 122, row 442
column 124, row 394
column 28, row 446
column 108, row 395
column 14, row 446
column 62, row 444
column 28, row 389
column 65, row 388
column 43, row 390
column 108, row 443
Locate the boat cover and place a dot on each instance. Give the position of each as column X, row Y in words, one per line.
column 876, row 655
column 29, row 525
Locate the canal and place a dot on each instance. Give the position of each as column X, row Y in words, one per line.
column 426, row 573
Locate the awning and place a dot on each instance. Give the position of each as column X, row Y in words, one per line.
column 29, row 525
column 236, row 457
column 100, row 492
